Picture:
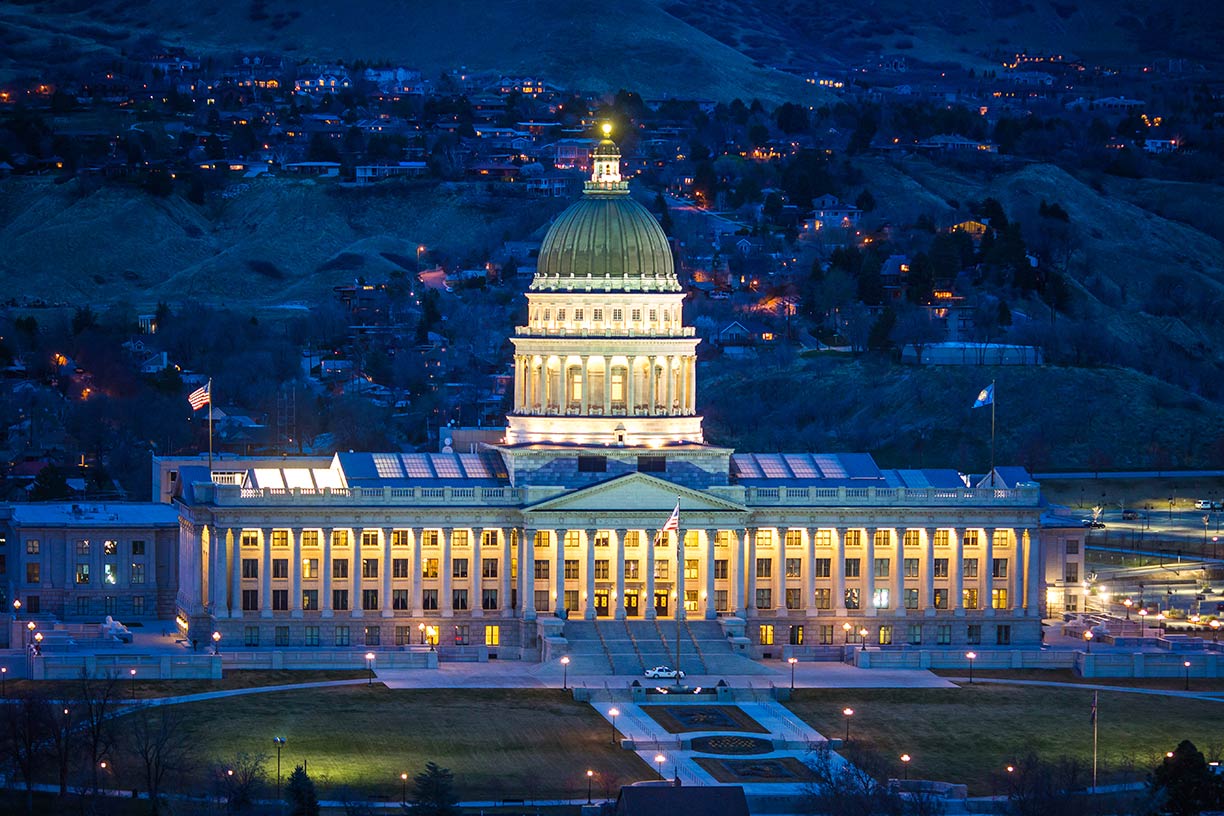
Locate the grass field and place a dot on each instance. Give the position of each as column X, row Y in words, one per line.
column 970, row 734
column 146, row 689
column 1197, row 684
column 526, row 744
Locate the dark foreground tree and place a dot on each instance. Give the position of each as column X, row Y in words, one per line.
column 433, row 792
column 156, row 739
column 1187, row 783
column 300, row 794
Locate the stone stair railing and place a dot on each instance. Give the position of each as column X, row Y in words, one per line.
column 604, row 645
column 696, row 648
column 636, row 650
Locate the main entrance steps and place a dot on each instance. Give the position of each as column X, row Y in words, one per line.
column 632, row 646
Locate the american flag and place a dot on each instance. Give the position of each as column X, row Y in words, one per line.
column 673, row 521
column 199, row 397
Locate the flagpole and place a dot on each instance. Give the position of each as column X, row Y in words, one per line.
column 993, row 400
column 679, row 599
column 210, row 429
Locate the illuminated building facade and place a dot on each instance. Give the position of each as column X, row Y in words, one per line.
column 505, row 547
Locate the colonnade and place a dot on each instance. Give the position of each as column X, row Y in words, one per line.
column 615, row 572
column 637, row 385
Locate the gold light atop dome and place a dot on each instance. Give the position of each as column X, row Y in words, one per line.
column 607, row 129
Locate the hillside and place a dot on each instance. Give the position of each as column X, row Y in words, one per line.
column 580, row 45
column 269, row 241
column 912, row 417
column 959, row 31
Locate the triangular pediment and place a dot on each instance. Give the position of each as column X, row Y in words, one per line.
column 637, row 493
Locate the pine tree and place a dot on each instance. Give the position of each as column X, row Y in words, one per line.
column 433, row 792
column 300, row 794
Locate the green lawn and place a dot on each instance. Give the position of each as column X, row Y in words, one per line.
column 145, row 689
column 970, row 734
column 514, row 743
column 1197, row 684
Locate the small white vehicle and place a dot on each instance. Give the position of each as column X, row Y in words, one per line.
column 664, row 673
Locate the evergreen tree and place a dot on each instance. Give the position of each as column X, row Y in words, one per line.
column 50, row 483
column 1187, row 782
column 433, row 792
column 300, row 794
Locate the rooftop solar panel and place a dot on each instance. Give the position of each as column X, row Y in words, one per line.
column 298, row 477
column 772, row 466
column 473, row 466
column 829, row 465
column 747, row 466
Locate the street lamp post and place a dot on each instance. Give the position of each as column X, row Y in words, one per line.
column 863, row 639
column 29, row 633
column 38, row 639
column 590, row 776
column 3, row 678
column 279, row 742
column 847, row 713
column 1143, row 613
column 216, row 639
column 1215, row 630
column 421, row 629
column 792, row 661
column 1160, row 620
column 1088, row 640
column 403, row 789
column 132, row 674
column 16, row 608
column 659, row 759
column 971, row 656
column 565, row 661
column 1128, row 603
column 612, row 713
column 1186, row 664
column 370, row 668
column 846, row 627
column 905, row 761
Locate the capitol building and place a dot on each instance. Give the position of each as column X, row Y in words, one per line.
column 561, row 530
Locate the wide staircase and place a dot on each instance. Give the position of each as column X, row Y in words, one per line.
column 632, row 646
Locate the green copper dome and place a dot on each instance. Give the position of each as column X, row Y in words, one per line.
column 606, row 241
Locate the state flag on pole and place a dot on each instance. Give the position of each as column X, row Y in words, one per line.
column 985, row 397
column 199, row 397
column 673, row 521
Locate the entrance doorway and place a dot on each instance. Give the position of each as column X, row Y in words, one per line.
column 631, row 605
column 661, row 604
column 601, row 604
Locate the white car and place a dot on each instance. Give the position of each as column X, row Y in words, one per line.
column 664, row 673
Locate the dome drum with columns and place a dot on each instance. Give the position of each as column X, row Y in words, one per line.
column 605, row 357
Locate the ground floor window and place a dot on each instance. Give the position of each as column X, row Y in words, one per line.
column 461, row 635
column 342, row 636
column 492, row 635
column 281, row 636
column 82, row 606
column 1072, row 603
column 373, row 636
column 973, row 634
column 886, row 635
column 138, row 604
column 250, row 635
column 765, row 634
column 541, row 599
column 403, row 636
column 915, row 634
column 943, row 634
column 825, row 634
column 312, row 636
column 1003, row 634
column 720, row 600
column 796, row 635
column 571, row 600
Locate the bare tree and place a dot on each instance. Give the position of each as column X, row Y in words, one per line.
column 155, row 737
column 25, row 731
column 98, row 701
column 851, row 785
column 65, row 738
column 240, row 779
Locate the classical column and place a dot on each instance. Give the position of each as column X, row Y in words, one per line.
column 956, row 566
column 650, row 574
column 631, row 384
column 898, row 572
column 986, row 571
column 670, row 375
column 355, row 584
column 559, row 572
column 476, row 573
column 837, row 570
column 927, row 600
column 808, row 572
column 681, row 613
column 692, row 385
column 325, row 545
column 779, row 570
column 711, row 609
column 607, row 388
column 265, row 575
column 618, row 558
column 751, row 567
column 417, row 558
column 295, row 570
column 505, row 596
column 586, row 385
column 868, row 572
column 1017, row 570
column 1032, row 550
column 527, row 573
column 588, row 612
column 739, row 573
column 445, row 571
column 385, row 600
column 221, row 576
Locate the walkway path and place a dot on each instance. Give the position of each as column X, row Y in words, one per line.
column 1210, row 696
